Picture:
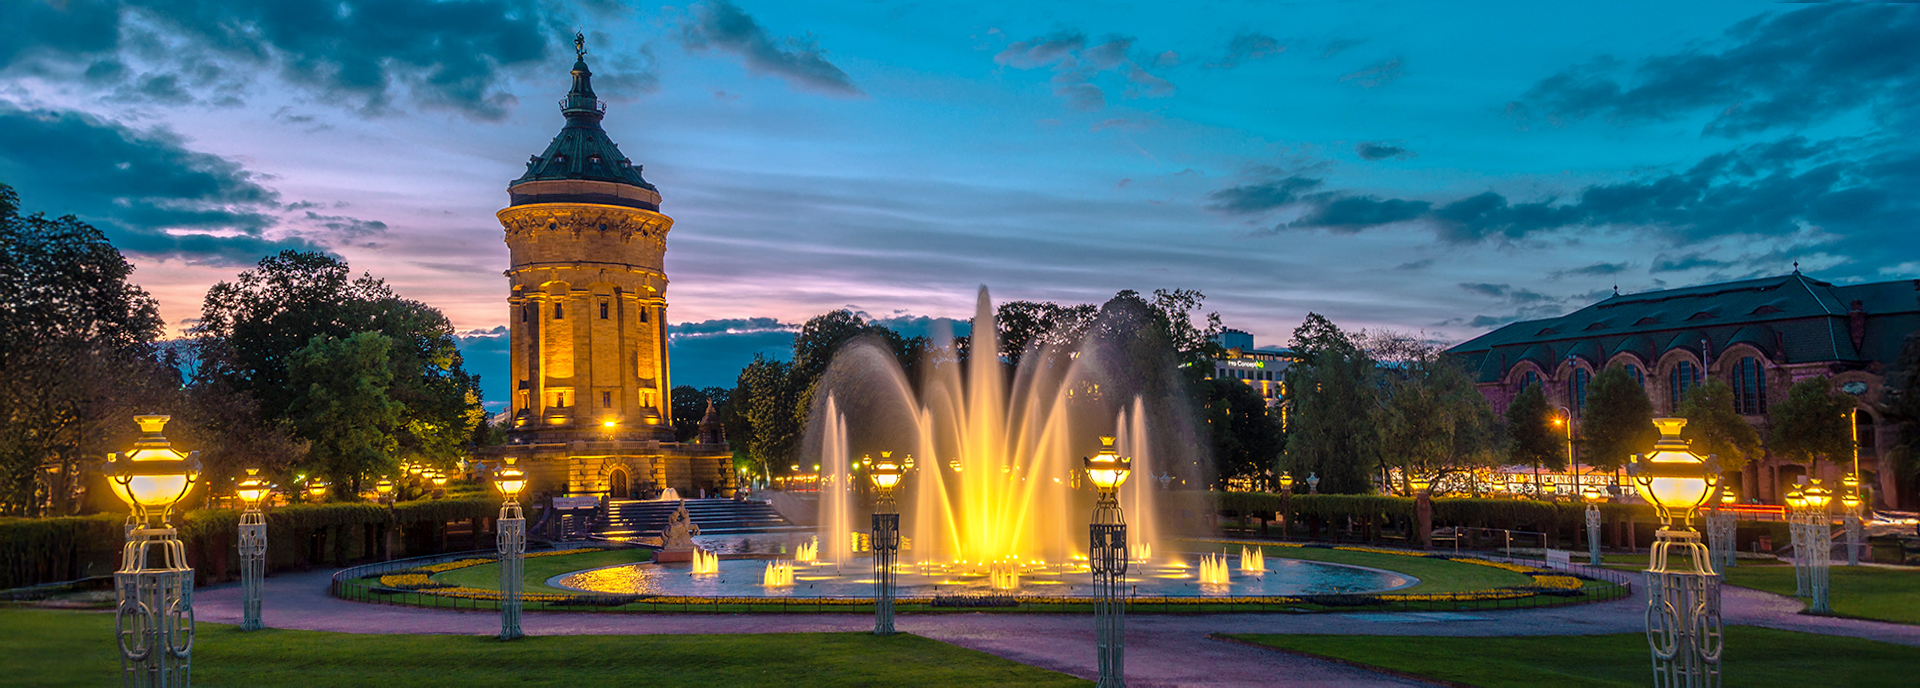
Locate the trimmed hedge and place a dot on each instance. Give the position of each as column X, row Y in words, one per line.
column 44, row 550
column 1447, row 511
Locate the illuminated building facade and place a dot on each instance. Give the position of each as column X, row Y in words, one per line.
column 591, row 412
column 1760, row 336
column 1265, row 370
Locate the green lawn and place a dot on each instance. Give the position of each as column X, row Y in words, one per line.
column 539, row 569
column 62, row 648
column 1858, row 591
column 1754, row 657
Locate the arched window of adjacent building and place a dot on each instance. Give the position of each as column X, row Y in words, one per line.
column 1682, row 378
column 1580, row 378
column 1863, row 424
column 1639, row 376
column 1530, row 379
column 1749, row 387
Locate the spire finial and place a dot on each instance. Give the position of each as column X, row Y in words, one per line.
column 579, row 45
column 1796, row 267
column 1616, row 290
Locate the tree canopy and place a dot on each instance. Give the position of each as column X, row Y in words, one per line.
column 1715, row 428
column 1334, row 392
column 1532, row 437
column 1618, row 421
column 1813, row 423
column 1431, row 417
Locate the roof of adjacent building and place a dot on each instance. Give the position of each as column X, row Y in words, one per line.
column 1790, row 318
column 582, row 150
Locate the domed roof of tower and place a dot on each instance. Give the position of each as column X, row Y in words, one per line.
column 582, row 150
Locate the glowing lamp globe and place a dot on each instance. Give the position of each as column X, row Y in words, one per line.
column 152, row 476
column 1419, row 483
column 1728, row 495
column 384, row 487
column 1286, row 482
column 251, row 488
column 1108, row 469
column 438, row 477
column 511, row 480
column 1851, row 481
column 1592, row 494
column 1851, row 501
column 1672, row 477
column 416, row 469
column 886, row 472
column 316, row 489
column 1817, row 497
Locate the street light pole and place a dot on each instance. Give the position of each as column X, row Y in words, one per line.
column 1107, row 557
column 1593, row 496
column 1850, row 501
column 1683, row 604
column 154, row 620
column 885, row 474
column 1818, row 538
column 253, row 548
column 1422, row 486
column 1721, row 528
column 512, row 543
column 1286, row 502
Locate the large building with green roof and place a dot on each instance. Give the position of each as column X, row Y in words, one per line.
column 1760, row 336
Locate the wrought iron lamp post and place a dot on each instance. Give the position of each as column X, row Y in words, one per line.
column 384, row 488
column 1683, row 604
column 1593, row 497
column 1422, row 486
column 1850, row 500
column 316, row 489
column 439, row 479
column 885, row 475
column 512, row 527
column 1817, row 536
column 253, row 548
column 154, row 585
column 1721, row 525
column 1796, row 503
column 1286, row 501
column 1107, row 556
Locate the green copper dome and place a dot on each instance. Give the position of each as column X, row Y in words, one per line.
column 582, row 150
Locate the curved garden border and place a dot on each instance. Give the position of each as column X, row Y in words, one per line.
column 408, row 582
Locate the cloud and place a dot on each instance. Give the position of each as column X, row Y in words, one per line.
column 1787, row 70
column 1247, row 47
column 1077, row 65
column 710, row 353
column 623, row 74
column 1690, row 261
column 148, row 192
column 1377, row 150
column 1340, row 45
column 730, row 326
column 1259, row 197
column 342, row 227
column 1421, row 264
column 1844, row 197
column 1594, row 270
column 721, row 25
column 1376, row 74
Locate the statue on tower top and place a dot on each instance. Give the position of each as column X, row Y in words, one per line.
column 579, row 45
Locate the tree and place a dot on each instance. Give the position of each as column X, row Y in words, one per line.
column 1813, row 423
column 1431, row 418
column 250, row 329
column 1025, row 326
column 76, row 357
column 1335, row 395
column 689, row 406
column 1618, row 421
column 1715, row 428
column 1901, row 407
column 344, row 409
column 772, row 428
column 1246, row 439
column 1531, row 437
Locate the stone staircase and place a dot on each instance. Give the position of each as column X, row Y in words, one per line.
column 627, row 518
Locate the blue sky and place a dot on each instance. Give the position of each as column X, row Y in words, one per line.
column 1423, row 167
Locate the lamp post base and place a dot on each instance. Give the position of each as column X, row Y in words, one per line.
column 253, row 567
column 154, row 620
column 1683, row 614
column 1593, row 535
column 513, row 549
column 1108, row 559
column 886, row 547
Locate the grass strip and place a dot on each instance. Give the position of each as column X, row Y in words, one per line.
column 1754, row 657
column 64, row 648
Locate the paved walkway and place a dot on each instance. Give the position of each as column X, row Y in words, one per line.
column 1162, row 649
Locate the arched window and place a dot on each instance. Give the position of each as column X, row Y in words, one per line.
column 1749, row 387
column 1580, row 378
column 1531, row 379
column 1639, row 376
column 1682, row 378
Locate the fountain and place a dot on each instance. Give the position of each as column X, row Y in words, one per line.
column 705, row 562
column 807, row 552
column 677, row 540
column 1143, row 552
column 1214, row 571
column 997, row 475
column 779, row 574
column 1004, row 574
column 1253, row 560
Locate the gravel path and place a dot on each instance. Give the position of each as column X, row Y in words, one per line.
column 1162, row 649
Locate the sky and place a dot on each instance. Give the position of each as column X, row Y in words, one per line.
column 1432, row 168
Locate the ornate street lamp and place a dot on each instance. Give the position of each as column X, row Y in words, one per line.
column 1286, row 500
column 1817, row 538
column 1721, row 524
column 885, row 474
column 253, row 548
column 384, row 488
column 439, row 479
column 316, row 489
column 154, row 620
column 1108, row 558
column 1422, row 486
column 1683, row 604
column 1593, row 497
column 1851, row 501
column 512, row 527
